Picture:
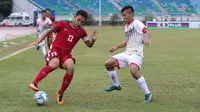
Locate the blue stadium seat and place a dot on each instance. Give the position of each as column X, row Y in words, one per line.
column 142, row 7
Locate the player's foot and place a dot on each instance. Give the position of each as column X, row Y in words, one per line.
column 147, row 98
column 113, row 87
column 34, row 87
column 60, row 100
column 38, row 48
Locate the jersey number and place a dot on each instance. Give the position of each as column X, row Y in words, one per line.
column 51, row 55
column 70, row 38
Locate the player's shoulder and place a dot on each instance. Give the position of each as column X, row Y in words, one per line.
column 137, row 21
column 82, row 29
column 48, row 19
column 64, row 22
column 52, row 18
column 67, row 21
column 61, row 22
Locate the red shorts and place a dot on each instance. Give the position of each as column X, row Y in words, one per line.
column 55, row 52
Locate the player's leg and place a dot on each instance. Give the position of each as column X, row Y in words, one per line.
column 44, row 49
column 52, row 64
column 38, row 46
column 110, row 64
column 135, row 65
column 69, row 66
column 49, row 42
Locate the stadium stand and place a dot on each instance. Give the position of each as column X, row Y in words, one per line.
column 178, row 7
column 143, row 7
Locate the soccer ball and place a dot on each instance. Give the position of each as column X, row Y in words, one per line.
column 41, row 98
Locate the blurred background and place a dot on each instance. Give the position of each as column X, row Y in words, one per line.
column 102, row 12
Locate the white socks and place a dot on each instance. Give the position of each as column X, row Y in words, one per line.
column 113, row 77
column 141, row 81
column 143, row 85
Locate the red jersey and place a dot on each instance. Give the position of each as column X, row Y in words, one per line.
column 67, row 36
column 51, row 34
column 52, row 19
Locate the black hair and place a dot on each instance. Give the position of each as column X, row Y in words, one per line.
column 47, row 9
column 82, row 13
column 43, row 11
column 126, row 8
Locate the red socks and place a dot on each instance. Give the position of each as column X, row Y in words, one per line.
column 66, row 82
column 46, row 70
column 43, row 73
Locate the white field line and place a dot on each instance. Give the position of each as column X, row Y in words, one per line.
column 15, row 53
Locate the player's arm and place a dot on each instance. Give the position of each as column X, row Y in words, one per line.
column 56, row 28
column 42, row 38
column 147, row 40
column 90, row 41
column 37, row 25
column 141, row 28
column 121, row 45
column 48, row 24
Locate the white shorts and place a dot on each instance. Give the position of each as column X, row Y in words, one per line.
column 125, row 60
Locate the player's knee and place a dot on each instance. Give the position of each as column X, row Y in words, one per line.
column 136, row 75
column 109, row 65
column 69, row 66
column 134, row 72
column 70, row 69
column 54, row 63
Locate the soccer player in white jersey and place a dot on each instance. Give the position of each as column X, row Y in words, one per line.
column 42, row 25
column 132, row 57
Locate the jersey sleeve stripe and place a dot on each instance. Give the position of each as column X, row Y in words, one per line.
column 143, row 30
column 52, row 29
column 85, row 39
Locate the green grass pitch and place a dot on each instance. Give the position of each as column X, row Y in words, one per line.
column 171, row 68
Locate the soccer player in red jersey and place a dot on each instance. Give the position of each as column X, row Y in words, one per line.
column 50, row 36
column 49, row 15
column 68, row 34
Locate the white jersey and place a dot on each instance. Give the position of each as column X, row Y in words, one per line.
column 134, row 38
column 42, row 25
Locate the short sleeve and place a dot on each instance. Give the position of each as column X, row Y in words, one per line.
column 84, row 36
column 52, row 19
column 140, row 27
column 57, row 27
column 84, row 33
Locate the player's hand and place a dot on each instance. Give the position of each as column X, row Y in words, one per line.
column 94, row 35
column 112, row 49
column 147, row 42
column 33, row 44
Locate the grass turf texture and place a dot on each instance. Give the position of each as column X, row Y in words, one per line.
column 171, row 69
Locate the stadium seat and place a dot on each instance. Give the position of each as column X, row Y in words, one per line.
column 142, row 7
